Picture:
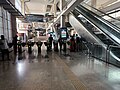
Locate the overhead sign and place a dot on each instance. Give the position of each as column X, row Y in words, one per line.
column 34, row 18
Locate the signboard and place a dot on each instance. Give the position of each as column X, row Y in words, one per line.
column 63, row 33
column 24, row 26
column 34, row 18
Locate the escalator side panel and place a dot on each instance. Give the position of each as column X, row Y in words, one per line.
column 81, row 29
column 102, row 26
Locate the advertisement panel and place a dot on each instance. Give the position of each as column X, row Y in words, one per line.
column 24, row 26
column 63, row 33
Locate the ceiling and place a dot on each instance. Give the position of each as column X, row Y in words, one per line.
column 40, row 6
column 44, row 6
column 104, row 3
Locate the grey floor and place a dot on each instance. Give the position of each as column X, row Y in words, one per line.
column 95, row 74
column 57, row 72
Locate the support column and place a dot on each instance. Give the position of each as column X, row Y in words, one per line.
column 13, row 25
column 62, row 18
column 67, row 18
column 62, row 21
column 23, row 11
column 55, row 8
column 93, row 3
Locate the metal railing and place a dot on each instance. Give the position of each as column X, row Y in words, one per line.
column 109, row 55
column 111, row 50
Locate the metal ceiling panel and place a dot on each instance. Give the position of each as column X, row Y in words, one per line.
column 7, row 5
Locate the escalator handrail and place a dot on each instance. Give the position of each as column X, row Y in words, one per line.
column 100, row 41
column 107, row 34
column 117, row 29
column 115, row 26
column 102, row 12
column 73, row 13
column 106, row 47
column 113, row 46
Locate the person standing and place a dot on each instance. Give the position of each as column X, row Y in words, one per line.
column 77, row 42
column 4, row 47
column 15, row 44
column 72, row 44
column 50, row 41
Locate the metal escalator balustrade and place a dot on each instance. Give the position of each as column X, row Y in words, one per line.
column 109, row 19
column 92, row 29
column 103, row 26
column 116, row 28
column 109, row 54
column 99, row 12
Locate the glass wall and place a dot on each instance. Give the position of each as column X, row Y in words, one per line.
column 9, row 26
column 1, row 26
column 5, row 24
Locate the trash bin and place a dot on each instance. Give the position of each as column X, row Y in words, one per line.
column 30, row 44
column 19, row 47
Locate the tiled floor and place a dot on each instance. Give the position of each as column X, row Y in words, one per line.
column 94, row 74
column 36, row 72
column 57, row 72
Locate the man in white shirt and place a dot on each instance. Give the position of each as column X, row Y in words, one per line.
column 4, row 47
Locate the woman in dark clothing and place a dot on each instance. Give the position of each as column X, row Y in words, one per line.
column 4, row 47
column 77, row 42
column 50, row 41
column 72, row 44
column 15, row 44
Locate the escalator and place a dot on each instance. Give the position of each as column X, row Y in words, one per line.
column 110, row 30
column 104, row 32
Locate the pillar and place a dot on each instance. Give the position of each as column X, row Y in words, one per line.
column 13, row 25
column 62, row 21
column 55, row 8
column 62, row 18
column 67, row 18
column 93, row 3
column 23, row 7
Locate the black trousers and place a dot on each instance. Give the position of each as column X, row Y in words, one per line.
column 60, row 44
column 50, row 45
column 5, row 51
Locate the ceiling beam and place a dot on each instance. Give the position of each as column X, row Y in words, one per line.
column 111, row 7
column 68, row 8
column 107, row 3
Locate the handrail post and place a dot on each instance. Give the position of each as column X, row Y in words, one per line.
column 107, row 53
column 92, row 54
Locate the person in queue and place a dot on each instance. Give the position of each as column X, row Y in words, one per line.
column 50, row 41
column 15, row 44
column 77, row 42
column 72, row 45
column 4, row 47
